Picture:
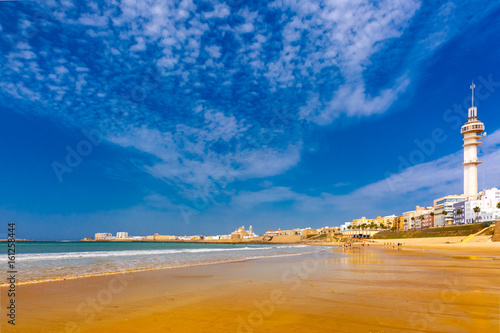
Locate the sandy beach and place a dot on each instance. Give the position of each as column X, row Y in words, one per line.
column 364, row 289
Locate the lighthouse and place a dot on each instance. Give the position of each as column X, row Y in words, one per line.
column 471, row 131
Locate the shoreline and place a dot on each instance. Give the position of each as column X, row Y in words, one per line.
column 131, row 271
column 452, row 243
column 428, row 243
column 361, row 289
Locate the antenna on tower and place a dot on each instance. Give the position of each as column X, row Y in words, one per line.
column 472, row 88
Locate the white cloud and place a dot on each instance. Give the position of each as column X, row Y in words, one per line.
column 139, row 46
column 416, row 185
column 220, row 11
column 274, row 194
column 214, row 51
column 190, row 143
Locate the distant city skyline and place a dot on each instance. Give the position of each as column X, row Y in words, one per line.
column 211, row 116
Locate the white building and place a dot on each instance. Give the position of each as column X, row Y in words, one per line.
column 344, row 226
column 471, row 131
column 415, row 223
column 487, row 202
column 445, row 204
column 122, row 234
column 103, row 236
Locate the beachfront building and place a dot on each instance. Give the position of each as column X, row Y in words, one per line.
column 272, row 232
column 345, row 226
column 459, row 213
column 390, row 221
column 399, row 221
column 121, row 235
column 471, row 131
column 428, row 221
column 329, row 232
column 103, row 236
column 411, row 219
column 443, row 209
column 408, row 218
column 291, row 232
column 164, row 238
column 241, row 233
column 356, row 223
column 487, row 202
column 308, row 232
column 378, row 223
column 359, row 233
column 158, row 237
column 469, row 215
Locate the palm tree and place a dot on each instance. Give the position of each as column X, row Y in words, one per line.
column 432, row 213
column 349, row 227
column 382, row 226
column 477, row 210
column 498, row 207
column 444, row 212
column 413, row 220
column 421, row 217
column 459, row 212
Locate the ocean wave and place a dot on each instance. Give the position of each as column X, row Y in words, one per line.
column 78, row 275
column 131, row 253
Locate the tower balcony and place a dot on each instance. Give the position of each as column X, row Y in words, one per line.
column 474, row 127
column 472, row 161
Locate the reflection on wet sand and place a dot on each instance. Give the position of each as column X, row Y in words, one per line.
column 354, row 289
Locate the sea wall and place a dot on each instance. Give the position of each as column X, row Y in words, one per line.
column 496, row 234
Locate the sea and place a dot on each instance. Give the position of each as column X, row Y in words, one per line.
column 37, row 262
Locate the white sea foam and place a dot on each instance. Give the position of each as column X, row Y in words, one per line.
column 131, row 253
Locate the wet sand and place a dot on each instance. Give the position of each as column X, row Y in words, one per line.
column 366, row 289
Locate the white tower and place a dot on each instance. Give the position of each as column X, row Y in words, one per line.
column 471, row 130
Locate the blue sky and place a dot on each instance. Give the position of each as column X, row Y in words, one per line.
column 187, row 117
